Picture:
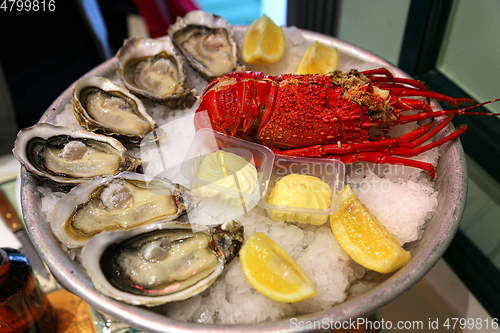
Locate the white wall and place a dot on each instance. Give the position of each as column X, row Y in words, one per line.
column 375, row 25
column 470, row 55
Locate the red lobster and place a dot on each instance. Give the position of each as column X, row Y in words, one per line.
column 328, row 115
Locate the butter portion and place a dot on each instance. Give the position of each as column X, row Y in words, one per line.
column 303, row 191
column 228, row 170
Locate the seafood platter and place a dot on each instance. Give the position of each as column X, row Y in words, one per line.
column 197, row 229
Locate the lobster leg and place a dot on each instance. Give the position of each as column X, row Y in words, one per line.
column 456, row 102
column 402, row 87
column 370, row 156
column 338, row 149
column 381, row 158
column 407, row 145
column 411, row 152
column 420, row 135
column 386, row 76
column 406, row 104
column 387, row 158
column 400, row 146
column 403, row 119
column 409, row 141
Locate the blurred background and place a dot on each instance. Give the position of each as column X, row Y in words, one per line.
column 451, row 45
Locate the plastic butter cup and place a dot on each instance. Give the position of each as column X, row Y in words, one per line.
column 228, row 170
column 206, row 142
column 329, row 171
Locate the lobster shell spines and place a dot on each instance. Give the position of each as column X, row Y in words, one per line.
column 318, row 115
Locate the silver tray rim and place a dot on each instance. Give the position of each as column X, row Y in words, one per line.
column 451, row 183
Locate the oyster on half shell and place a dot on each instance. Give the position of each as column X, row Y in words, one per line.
column 70, row 157
column 205, row 40
column 104, row 107
column 119, row 202
column 160, row 262
column 153, row 69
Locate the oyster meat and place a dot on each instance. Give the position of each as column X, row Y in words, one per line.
column 206, row 42
column 153, row 69
column 70, row 157
column 160, row 262
column 123, row 201
column 105, row 107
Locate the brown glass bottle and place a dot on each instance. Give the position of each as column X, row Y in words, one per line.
column 24, row 307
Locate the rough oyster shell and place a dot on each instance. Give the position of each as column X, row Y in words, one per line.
column 160, row 262
column 153, row 69
column 123, row 201
column 70, row 157
column 104, row 107
column 206, row 41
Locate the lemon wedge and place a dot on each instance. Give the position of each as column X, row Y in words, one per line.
column 319, row 59
column 264, row 42
column 364, row 239
column 271, row 271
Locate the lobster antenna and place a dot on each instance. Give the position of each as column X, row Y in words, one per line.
column 434, row 114
column 463, row 110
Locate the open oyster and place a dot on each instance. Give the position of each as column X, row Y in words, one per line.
column 70, row 157
column 105, row 107
column 153, row 69
column 160, row 262
column 206, row 42
column 123, row 201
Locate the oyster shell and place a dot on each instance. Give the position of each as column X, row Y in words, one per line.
column 123, row 201
column 70, row 157
column 105, row 107
column 205, row 40
column 153, row 69
column 160, row 262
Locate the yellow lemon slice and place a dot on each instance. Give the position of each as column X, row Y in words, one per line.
column 271, row 271
column 264, row 42
column 364, row 239
column 319, row 59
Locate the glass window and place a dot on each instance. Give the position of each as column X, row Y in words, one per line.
column 470, row 52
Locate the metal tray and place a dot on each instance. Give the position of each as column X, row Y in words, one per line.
column 439, row 231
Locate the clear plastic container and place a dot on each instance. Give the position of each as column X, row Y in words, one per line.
column 330, row 171
column 207, row 141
